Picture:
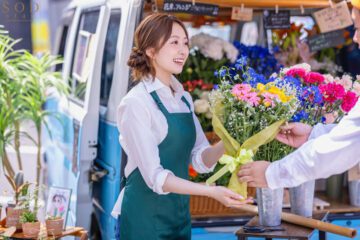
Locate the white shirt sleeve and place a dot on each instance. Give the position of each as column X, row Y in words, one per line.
column 320, row 129
column 139, row 142
column 329, row 154
column 201, row 143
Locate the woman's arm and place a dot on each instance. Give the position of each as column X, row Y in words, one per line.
column 181, row 186
column 212, row 154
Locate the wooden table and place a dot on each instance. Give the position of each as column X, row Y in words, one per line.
column 70, row 231
column 291, row 230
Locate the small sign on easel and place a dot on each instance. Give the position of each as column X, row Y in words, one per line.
column 242, row 14
column 333, row 18
column 189, row 7
column 276, row 19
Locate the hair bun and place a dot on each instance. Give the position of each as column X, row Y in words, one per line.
column 137, row 58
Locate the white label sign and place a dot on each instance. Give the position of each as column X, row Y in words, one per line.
column 334, row 18
column 242, row 14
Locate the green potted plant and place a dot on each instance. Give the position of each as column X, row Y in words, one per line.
column 28, row 218
column 30, row 224
column 54, row 225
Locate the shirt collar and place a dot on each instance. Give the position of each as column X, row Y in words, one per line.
column 165, row 91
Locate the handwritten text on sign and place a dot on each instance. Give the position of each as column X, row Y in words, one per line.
column 188, row 7
column 242, row 14
column 326, row 40
column 333, row 18
column 276, row 20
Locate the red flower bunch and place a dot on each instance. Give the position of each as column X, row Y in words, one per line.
column 192, row 172
column 197, row 84
column 314, row 78
column 349, row 101
column 332, row 92
column 296, row 73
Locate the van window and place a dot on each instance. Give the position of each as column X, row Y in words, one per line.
column 66, row 21
column 86, row 30
column 108, row 61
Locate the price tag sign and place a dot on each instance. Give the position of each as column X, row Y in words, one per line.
column 242, row 14
column 273, row 20
column 333, row 18
column 326, row 40
column 188, row 7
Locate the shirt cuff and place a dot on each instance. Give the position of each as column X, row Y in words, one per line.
column 272, row 176
column 320, row 129
column 160, row 180
column 198, row 163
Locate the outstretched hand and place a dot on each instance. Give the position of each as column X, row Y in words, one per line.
column 294, row 134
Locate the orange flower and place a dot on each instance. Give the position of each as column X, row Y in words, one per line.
column 192, row 172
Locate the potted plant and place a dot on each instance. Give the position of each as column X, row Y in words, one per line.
column 54, row 225
column 30, row 224
column 13, row 210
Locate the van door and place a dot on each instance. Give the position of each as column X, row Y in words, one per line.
column 74, row 145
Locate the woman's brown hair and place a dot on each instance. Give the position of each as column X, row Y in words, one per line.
column 153, row 32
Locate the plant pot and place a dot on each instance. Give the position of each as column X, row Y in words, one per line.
column 54, row 227
column 31, row 230
column 270, row 206
column 334, row 187
column 302, row 199
column 13, row 217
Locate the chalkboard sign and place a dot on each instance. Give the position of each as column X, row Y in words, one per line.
column 188, row 7
column 326, row 40
column 273, row 20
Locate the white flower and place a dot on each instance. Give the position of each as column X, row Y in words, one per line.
column 201, row 106
column 328, row 78
column 346, row 82
column 208, row 115
column 205, row 95
column 356, row 88
column 357, row 77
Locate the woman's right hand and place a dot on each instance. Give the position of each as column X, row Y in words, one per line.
column 227, row 197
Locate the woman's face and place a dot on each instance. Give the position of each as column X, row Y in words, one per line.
column 356, row 18
column 171, row 58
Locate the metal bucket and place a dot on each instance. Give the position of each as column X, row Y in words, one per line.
column 302, row 199
column 270, row 206
column 354, row 192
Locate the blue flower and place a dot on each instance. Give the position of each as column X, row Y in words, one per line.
column 216, row 73
column 216, row 86
column 302, row 115
column 222, row 73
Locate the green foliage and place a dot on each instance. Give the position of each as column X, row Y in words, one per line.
column 28, row 217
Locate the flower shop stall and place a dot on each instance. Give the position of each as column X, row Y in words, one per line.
column 251, row 82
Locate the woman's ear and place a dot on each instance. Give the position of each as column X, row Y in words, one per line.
column 150, row 52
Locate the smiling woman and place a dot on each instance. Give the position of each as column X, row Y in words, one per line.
column 160, row 134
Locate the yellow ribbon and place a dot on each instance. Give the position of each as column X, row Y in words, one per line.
column 235, row 153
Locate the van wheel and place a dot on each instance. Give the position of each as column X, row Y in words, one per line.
column 94, row 228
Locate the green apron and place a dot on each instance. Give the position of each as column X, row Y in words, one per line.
column 146, row 215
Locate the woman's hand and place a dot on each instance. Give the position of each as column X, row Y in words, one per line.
column 227, row 197
column 294, row 134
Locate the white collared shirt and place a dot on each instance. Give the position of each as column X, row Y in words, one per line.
column 331, row 149
column 143, row 126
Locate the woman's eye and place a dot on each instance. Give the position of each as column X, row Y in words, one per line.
column 187, row 43
column 175, row 42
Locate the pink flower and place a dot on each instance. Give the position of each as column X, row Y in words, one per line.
column 332, row 92
column 251, row 98
column 349, row 101
column 296, row 72
column 269, row 99
column 241, row 89
column 314, row 78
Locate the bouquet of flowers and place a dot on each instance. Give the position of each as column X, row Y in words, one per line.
column 247, row 112
column 322, row 98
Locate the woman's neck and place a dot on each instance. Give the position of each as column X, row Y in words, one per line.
column 165, row 78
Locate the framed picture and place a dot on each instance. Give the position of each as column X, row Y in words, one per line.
column 58, row 203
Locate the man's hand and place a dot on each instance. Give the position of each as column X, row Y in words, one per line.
column 254, row 174
column 294, row 134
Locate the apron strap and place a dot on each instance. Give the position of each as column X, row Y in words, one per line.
column 161, row 106
column 186, row 102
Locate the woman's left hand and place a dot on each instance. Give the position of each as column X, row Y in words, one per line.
column 227, row 197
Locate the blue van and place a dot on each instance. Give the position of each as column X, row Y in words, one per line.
column 84, row 154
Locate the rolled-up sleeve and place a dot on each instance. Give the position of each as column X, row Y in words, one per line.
column 139, row 143
column 331, row 153
column 200, row 145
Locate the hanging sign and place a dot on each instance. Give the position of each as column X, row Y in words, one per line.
column 276, row 20
column 326, row 40
column 333, row 18
column 242, row 14
column 189, row 7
